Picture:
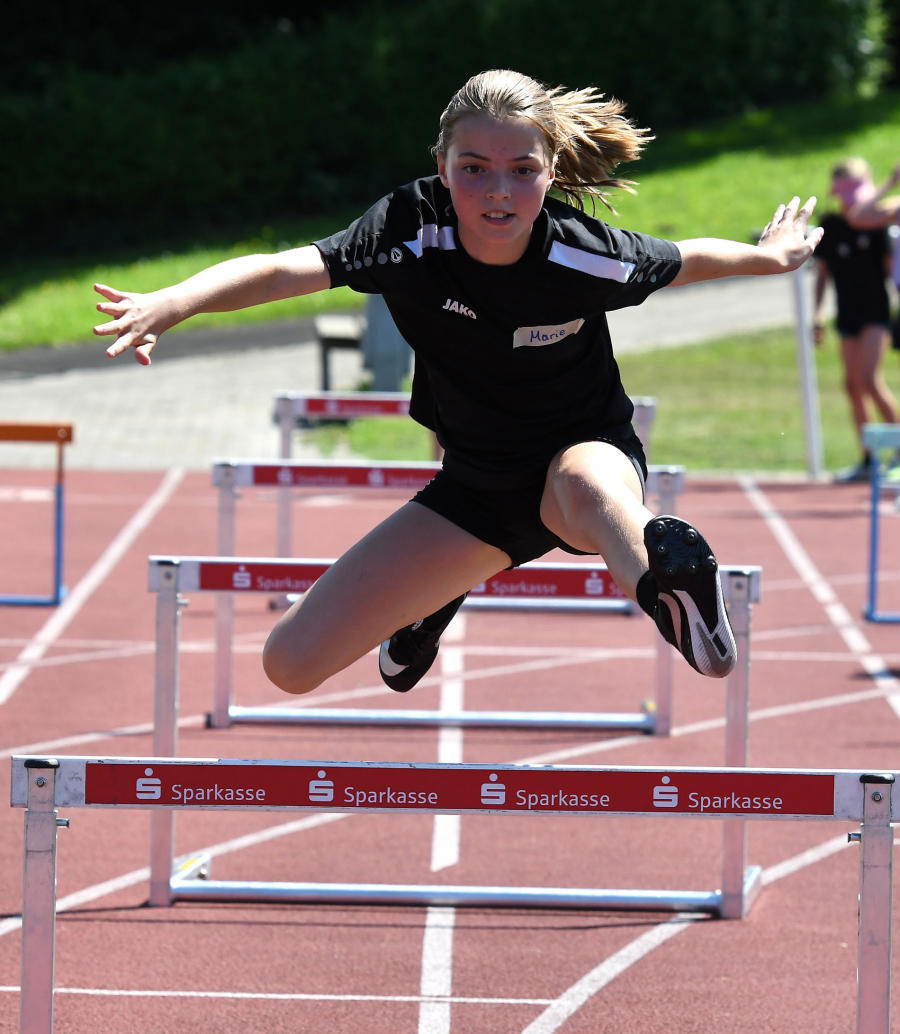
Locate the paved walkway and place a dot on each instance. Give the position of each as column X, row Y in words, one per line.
column 209, row 392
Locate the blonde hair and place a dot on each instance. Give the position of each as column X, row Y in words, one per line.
column 853, row 169
column 587, row 135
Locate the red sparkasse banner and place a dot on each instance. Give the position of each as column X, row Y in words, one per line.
column 515, row 791
column 357, row 407
column 313, row 476
column 233, row 576
column 586, row 582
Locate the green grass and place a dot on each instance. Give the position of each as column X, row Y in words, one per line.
column 726, row 178
column 52, row 302
column 721, row 179
column 731, row 404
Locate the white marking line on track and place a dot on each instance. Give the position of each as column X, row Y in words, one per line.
column 59, row 620
column 437, row 970
column 437, row 940
column 129, row 879
column 572, row 999
column 837, row 613
column 288, row 997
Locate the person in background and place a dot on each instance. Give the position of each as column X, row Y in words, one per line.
column 855, row 254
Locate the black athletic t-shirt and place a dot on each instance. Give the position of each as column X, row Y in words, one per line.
column 856, row 261
column 512, row 362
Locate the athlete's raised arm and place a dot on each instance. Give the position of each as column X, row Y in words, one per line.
column 782, row 247
column 138, row 320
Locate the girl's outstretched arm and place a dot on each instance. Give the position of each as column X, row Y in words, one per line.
column 138, row 320
column 783, row 246
column 878, row 210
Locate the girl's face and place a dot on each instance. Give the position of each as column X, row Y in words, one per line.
column 497, row 171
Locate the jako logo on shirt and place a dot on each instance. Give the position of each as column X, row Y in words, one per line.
column 545, row 335
column 452, row 306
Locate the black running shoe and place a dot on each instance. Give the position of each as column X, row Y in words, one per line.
column 690, row 612
column 410, row 652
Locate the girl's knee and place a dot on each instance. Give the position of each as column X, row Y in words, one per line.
column 288, row 665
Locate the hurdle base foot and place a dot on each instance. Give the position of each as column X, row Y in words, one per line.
column 194, row 867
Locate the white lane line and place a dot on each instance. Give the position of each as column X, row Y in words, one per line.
column 59, row 620
column 762, row 714
column 287, row 997
column 800, row 861
column 447, row 828
column 129, row 879
column 572, row 999
column 437, row 939
column 437, row 971
column 822, row 592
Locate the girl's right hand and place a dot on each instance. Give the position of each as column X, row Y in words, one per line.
column 137, row 320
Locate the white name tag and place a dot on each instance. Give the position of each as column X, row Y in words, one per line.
column 545, row 335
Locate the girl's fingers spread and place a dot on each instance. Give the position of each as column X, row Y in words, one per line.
column 119, row 346
column 142, row 353
column 815, row 237
column 776, row 218
column 111, row 308
column 109, row 292
column 113, row 327
column 792, row 207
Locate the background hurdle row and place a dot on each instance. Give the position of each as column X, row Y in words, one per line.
column 312, row 407
column 563, row 586
column 229, row 476
column 169, row 576
column 60, row 435
column 44, row 784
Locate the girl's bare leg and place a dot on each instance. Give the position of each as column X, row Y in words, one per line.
column 592, row 500
column 862, row 378
column 405, row 569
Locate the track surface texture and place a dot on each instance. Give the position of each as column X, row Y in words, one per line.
column 121, row 966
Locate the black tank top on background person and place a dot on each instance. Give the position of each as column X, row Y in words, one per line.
column 512, row 362
column 855, row 259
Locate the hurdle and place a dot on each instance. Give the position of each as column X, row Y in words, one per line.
column 164, row 786
column 315, row 406
column 61, row 435
column 666, row 483
column 876, row 438
column 569, row 587
column 172, row 575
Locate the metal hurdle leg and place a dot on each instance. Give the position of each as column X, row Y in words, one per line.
column 740, row 884
column 39, row 898
column 165, row 729
column 223, row 683
column 876, row 877
column 871, row 611
column 285, row 411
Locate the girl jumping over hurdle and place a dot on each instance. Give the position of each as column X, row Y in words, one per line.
column 502, row 290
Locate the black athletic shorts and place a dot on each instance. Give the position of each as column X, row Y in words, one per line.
column 510, row 519
column 852, row 319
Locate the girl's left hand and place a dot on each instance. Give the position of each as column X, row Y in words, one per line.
column 785, row 238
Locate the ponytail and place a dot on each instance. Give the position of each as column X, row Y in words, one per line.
column 587, row 135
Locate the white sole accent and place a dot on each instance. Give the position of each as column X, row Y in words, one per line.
column 386, row 662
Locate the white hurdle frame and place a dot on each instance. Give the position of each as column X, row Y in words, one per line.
column 44, row 784
column 170, row 576
column 740, row 585
column 665, row 483
column 314, row 406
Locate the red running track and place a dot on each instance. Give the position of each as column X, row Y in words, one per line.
column 790, row 966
